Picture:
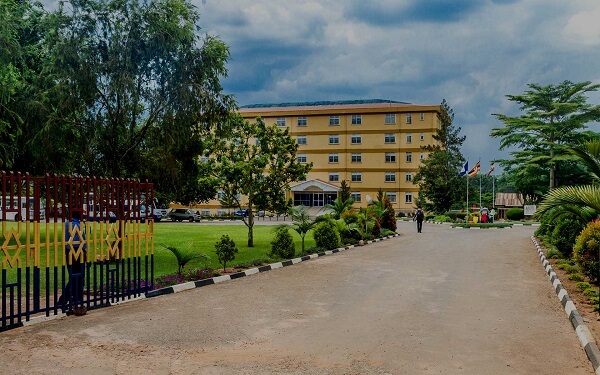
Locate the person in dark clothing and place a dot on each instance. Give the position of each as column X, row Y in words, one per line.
column 419, row 216
column 73, row 291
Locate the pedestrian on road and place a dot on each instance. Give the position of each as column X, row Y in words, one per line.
column 73, row 292
column 419, row 216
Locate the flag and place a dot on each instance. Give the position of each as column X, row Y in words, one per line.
column 464, row 169
column 491, row 170
column 475, row 170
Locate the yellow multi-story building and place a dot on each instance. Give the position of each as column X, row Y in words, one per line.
column 372, row 144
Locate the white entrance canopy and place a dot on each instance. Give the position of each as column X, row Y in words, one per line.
column 314, row 185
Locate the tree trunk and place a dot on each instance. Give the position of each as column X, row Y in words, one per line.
column 551, row 168
column 250, row 225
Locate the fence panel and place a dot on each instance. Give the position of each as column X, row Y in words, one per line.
column 70, row 244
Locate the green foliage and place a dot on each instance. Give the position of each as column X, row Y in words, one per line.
column 554, row 254
column 575, row 277
column 570, row 269
column 515, row 214
column 388, row 219
column 302, row 222
column 282, row 245
column 586, row 250
column 583, row 285
column 565, row 233
column 439, row 183
column 442, row 219
column 340, row 206
column 553, row 119
column 225, row 250
column 184, row 256
column 456, row 216
column 344, row 193
column 590, row 292
column 257, row 161
column 327, row 236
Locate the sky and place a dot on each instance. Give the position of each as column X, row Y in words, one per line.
column 470, row 52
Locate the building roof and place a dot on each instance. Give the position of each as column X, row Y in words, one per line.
column 509, row 199
column 323, row 103
column 327, row 107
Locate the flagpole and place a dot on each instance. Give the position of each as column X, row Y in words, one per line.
column 480, row 191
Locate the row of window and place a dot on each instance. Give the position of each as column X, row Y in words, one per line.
column 357, row 177
column 390, row 119
column 408, row 197
column 390, row 157
column 356, row 139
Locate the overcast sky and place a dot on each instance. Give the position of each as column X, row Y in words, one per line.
column 470, row 52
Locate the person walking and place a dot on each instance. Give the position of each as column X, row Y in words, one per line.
column 72, row 293
column 419, row 216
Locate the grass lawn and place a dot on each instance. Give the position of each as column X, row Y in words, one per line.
column 203, row 238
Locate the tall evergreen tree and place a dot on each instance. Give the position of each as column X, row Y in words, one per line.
column 554, row 118
column 439, row 183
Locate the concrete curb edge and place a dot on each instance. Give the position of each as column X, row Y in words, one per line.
column 582, row 331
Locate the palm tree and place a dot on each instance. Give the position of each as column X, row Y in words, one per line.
column 302, row 223
column 339, row 206
column 582, row 201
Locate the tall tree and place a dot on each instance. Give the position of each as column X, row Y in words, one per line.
column 439, row 183
column 256, row 161
column 554, row 118
column 141, row 87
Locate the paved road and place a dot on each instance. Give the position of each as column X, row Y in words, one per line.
column 447, row 301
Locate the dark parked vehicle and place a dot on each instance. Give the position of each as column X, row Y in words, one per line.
column 242, row 212
column 180, row 214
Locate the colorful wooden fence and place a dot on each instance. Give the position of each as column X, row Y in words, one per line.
column 108, row 257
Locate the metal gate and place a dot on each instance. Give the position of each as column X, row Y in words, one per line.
column 89, row 240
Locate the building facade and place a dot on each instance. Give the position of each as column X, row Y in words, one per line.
column 372, row 144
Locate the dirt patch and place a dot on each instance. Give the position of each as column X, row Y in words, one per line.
column 581, row 301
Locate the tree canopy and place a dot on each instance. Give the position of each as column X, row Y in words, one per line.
column 555, row 117
column 439, row 183
column 255, row 161
column 116, row 88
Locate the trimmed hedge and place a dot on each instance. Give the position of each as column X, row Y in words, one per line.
column 515, row 214
column 585, row 251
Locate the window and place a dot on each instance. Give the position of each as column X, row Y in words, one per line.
column 334, row 139
column 334, row 158
column 334, row 177
column 334, row 120
column 204, row 159
column 422, row 136
column 356, row 158
column 390, row 177
column 409, row 157
column 356, row 119
column 422, row 155
column 390, row 138
column 302, row 158
column 205, row 212
column 408, row 177
column 220, row 194
column 257, row 142
column 302, row 121
column 422, row 118
column 356, row 177
column 390, row 118
column 408, row 118
column 390, row 157
column 356, row 196
column 356, row 139
column 280, row 121
column 301, row 139
column 408, row 197
column 408, row 137
column 391, row 197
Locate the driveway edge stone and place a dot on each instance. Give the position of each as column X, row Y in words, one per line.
column 582, row 331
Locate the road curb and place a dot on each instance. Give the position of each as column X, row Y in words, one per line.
column 582, row 331
column 219, row 279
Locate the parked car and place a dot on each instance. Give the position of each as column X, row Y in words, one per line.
column 242, row 212
column 180, row 214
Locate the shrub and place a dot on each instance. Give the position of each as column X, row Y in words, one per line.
column 570, row 268
column 282, row 245
column 326, row 236
column 515, row 214
column 388, row 220
column 184, row 256
column 443, row 219
column 553, row 254
column 590, row 292
column 583, row 285
column 585, row 251
column 575, row 277
column 456, row 215
column 564, row 235
column 564, row 261
column 226, row 250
